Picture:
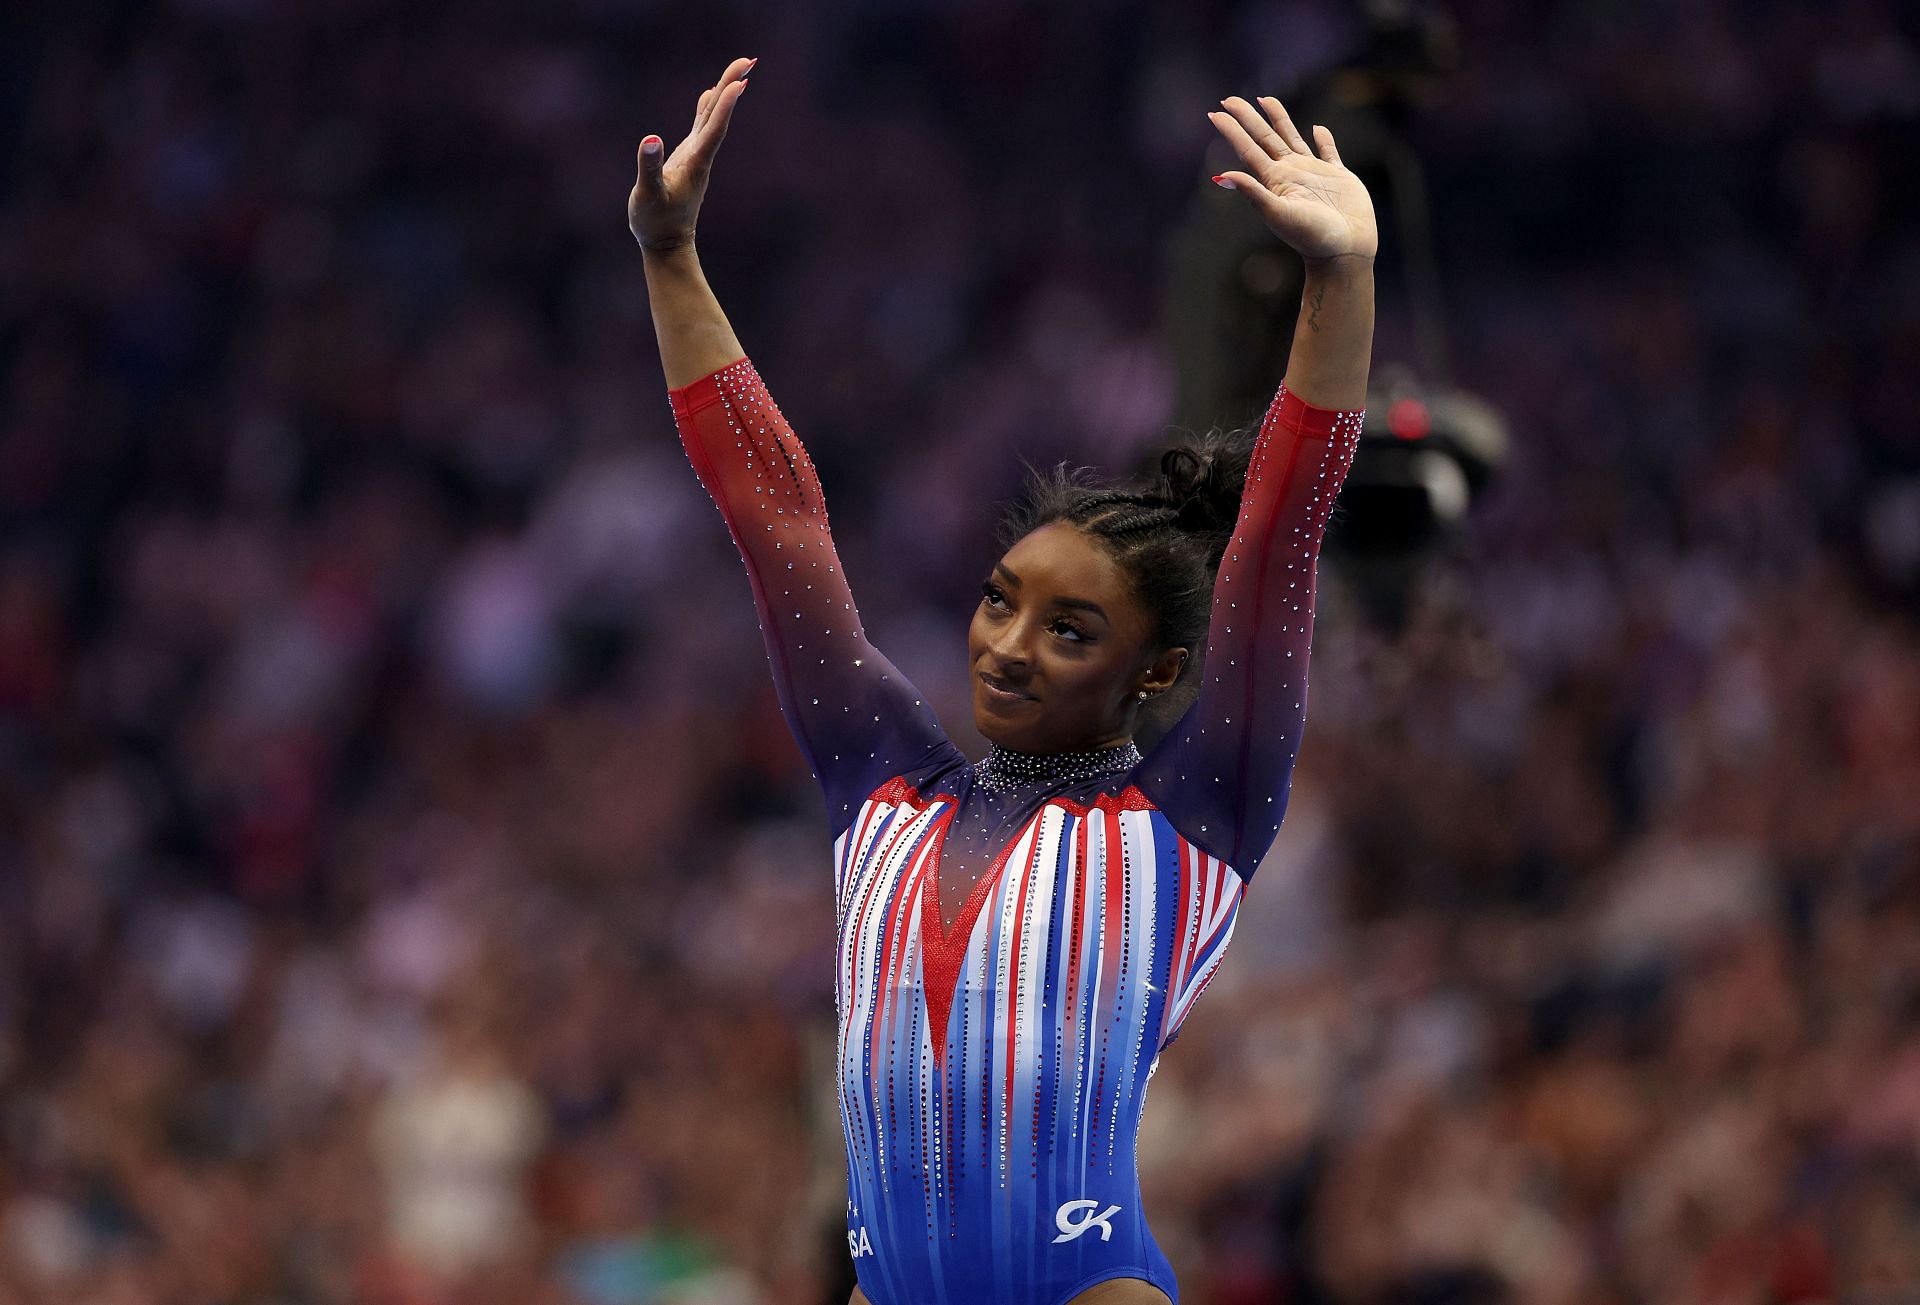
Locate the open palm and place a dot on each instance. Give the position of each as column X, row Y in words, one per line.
column 1310, row 201
column 665, row 203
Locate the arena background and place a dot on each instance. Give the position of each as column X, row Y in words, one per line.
column 409, row 892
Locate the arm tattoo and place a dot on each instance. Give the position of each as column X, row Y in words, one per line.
column 1315, row 300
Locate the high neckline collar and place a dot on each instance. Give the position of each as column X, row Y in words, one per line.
column 1003, row 768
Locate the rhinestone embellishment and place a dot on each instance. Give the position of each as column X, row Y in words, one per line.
column 1002, row 769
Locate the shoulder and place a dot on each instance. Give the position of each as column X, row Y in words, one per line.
column 948, row 775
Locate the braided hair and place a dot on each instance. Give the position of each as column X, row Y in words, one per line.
column 1167, row 530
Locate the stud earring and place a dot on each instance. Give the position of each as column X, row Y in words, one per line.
column 1144, row 695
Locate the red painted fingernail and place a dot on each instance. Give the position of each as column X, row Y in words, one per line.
column 1221, row 180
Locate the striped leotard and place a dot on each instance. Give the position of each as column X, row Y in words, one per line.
column 993, row 1066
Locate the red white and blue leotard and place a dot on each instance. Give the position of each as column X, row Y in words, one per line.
column 992, row 1069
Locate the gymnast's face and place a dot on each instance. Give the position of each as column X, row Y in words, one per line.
column 1060, row 647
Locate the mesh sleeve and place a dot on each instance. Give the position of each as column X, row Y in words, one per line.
column 858, row 720
column 1223, row 772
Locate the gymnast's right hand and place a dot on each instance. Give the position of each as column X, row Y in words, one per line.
column 666, row 196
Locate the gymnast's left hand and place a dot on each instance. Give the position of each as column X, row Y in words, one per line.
column 1309, row 200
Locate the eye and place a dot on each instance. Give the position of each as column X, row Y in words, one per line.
column 1065, row 628
column 991, row 595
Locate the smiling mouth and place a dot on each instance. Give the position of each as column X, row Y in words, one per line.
column 999, row 688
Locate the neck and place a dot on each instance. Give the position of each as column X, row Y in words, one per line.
column 1004, row 768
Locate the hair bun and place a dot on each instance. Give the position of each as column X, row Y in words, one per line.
column 1203, row 479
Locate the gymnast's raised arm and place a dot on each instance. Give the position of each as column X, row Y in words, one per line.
column 1223, row 773
column 856, row 717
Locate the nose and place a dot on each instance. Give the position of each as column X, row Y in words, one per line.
column 1009, row 649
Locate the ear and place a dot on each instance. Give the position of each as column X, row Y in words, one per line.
column 1164, row 670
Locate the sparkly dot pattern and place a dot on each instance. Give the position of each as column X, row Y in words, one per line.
column 857, row 719
column 1223, row 773
column 1018, row 939
column 1003, row 769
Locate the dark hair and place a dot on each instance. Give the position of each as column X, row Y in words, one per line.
column 1167, row 530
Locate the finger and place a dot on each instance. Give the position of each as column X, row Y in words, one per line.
column 1328, row 150
column 1283, row 123
column 1250, row 153
column 714, row 130
column 1273, row 210
column 651, row 152
column 734, row 71
column 1256, row 127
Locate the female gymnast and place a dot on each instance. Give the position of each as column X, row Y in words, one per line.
column 1019, row 938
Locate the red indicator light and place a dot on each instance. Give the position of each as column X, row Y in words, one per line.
column 1409, row 419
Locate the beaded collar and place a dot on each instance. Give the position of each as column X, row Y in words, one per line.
column 1002, row 769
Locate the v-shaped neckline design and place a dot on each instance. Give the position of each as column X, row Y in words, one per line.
column 943, row 946
column 976, row 895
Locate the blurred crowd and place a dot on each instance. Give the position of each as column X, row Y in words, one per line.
column 409, row 894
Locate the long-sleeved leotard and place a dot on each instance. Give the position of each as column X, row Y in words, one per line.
column 992, row 1069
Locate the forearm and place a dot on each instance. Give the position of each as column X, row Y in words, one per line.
column 695, row 337
column 1333, row 340
column 857, row 718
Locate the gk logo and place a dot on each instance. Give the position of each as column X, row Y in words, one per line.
column 1069, row 1229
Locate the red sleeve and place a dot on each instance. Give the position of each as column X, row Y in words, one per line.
column 1222, row 774
column 856, row 717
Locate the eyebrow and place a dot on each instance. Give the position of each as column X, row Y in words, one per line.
column 1083, row 604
